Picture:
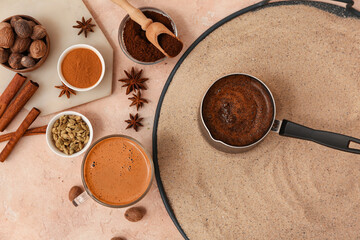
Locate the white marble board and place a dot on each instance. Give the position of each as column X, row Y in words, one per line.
column 58, row 17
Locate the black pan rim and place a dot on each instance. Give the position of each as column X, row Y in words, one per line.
column 328, row 7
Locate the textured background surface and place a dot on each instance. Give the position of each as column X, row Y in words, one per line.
column 34, row 183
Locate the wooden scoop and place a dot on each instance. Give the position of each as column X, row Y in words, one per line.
column 152, row 29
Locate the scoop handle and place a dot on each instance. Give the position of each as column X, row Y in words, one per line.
column 329, row 139
column 135, row 14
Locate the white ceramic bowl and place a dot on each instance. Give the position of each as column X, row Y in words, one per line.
column 76, row 46
column 50, row 141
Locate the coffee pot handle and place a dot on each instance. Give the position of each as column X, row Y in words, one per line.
column 81, row 199
column 329, row 139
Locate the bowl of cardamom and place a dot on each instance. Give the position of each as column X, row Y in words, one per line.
column 69, row 134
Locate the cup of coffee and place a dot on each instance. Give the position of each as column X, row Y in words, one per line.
column 116, row 172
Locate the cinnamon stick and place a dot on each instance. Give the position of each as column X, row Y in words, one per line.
column 29, row 132
column 10, row 91
column 30, row 118
column 19, row 102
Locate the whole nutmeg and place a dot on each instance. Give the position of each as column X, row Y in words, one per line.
column 7, row 35
column 135, row 214
column 32, row 24
column 4, row 55
column 15, row 60
column 14, row 19
column 74, row 192
column 27, row 61
column 39, row 32
column 20, row 45
column 22, row 28
column 37, row 49
column 118, row 238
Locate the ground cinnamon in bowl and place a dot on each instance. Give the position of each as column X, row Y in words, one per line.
column 133, row 39
column 81, row 68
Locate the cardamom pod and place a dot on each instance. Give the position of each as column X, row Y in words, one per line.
column 70, row 134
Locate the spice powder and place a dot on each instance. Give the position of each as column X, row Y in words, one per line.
column 81, row 68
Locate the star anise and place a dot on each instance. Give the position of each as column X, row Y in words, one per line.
column 85, row 26
column 65, row 90
column 137, row 100
column 133, row 82
column 134, row 122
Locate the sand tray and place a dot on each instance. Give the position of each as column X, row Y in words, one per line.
column 284, row 188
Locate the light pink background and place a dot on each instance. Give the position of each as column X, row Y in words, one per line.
column 34, row 182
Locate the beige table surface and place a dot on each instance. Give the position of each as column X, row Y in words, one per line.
column 34, row 183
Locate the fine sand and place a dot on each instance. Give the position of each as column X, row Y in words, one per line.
column 284, row 188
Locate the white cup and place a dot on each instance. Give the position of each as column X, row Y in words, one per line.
column 50, row 141
column 63, row 55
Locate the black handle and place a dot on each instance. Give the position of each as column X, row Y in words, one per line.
column 329, row 139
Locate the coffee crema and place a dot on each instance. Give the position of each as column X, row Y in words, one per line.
column 238, row 110
column 117, row 171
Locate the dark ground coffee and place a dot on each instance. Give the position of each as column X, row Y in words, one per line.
column 238, row 110
column 171, row 45
column 136, row 42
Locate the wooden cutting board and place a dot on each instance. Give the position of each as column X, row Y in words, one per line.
column 58, row 17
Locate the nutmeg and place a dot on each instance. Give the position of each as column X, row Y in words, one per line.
column 4, row 55
column 38, row 49
column 32, row 24
column 15, row 60
column 7, row 35
column 22, row 28
column 135, row 214
column 39, row 32
column 27, row 61
column 74, row 192
column 20, row 45
column 14, row 19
